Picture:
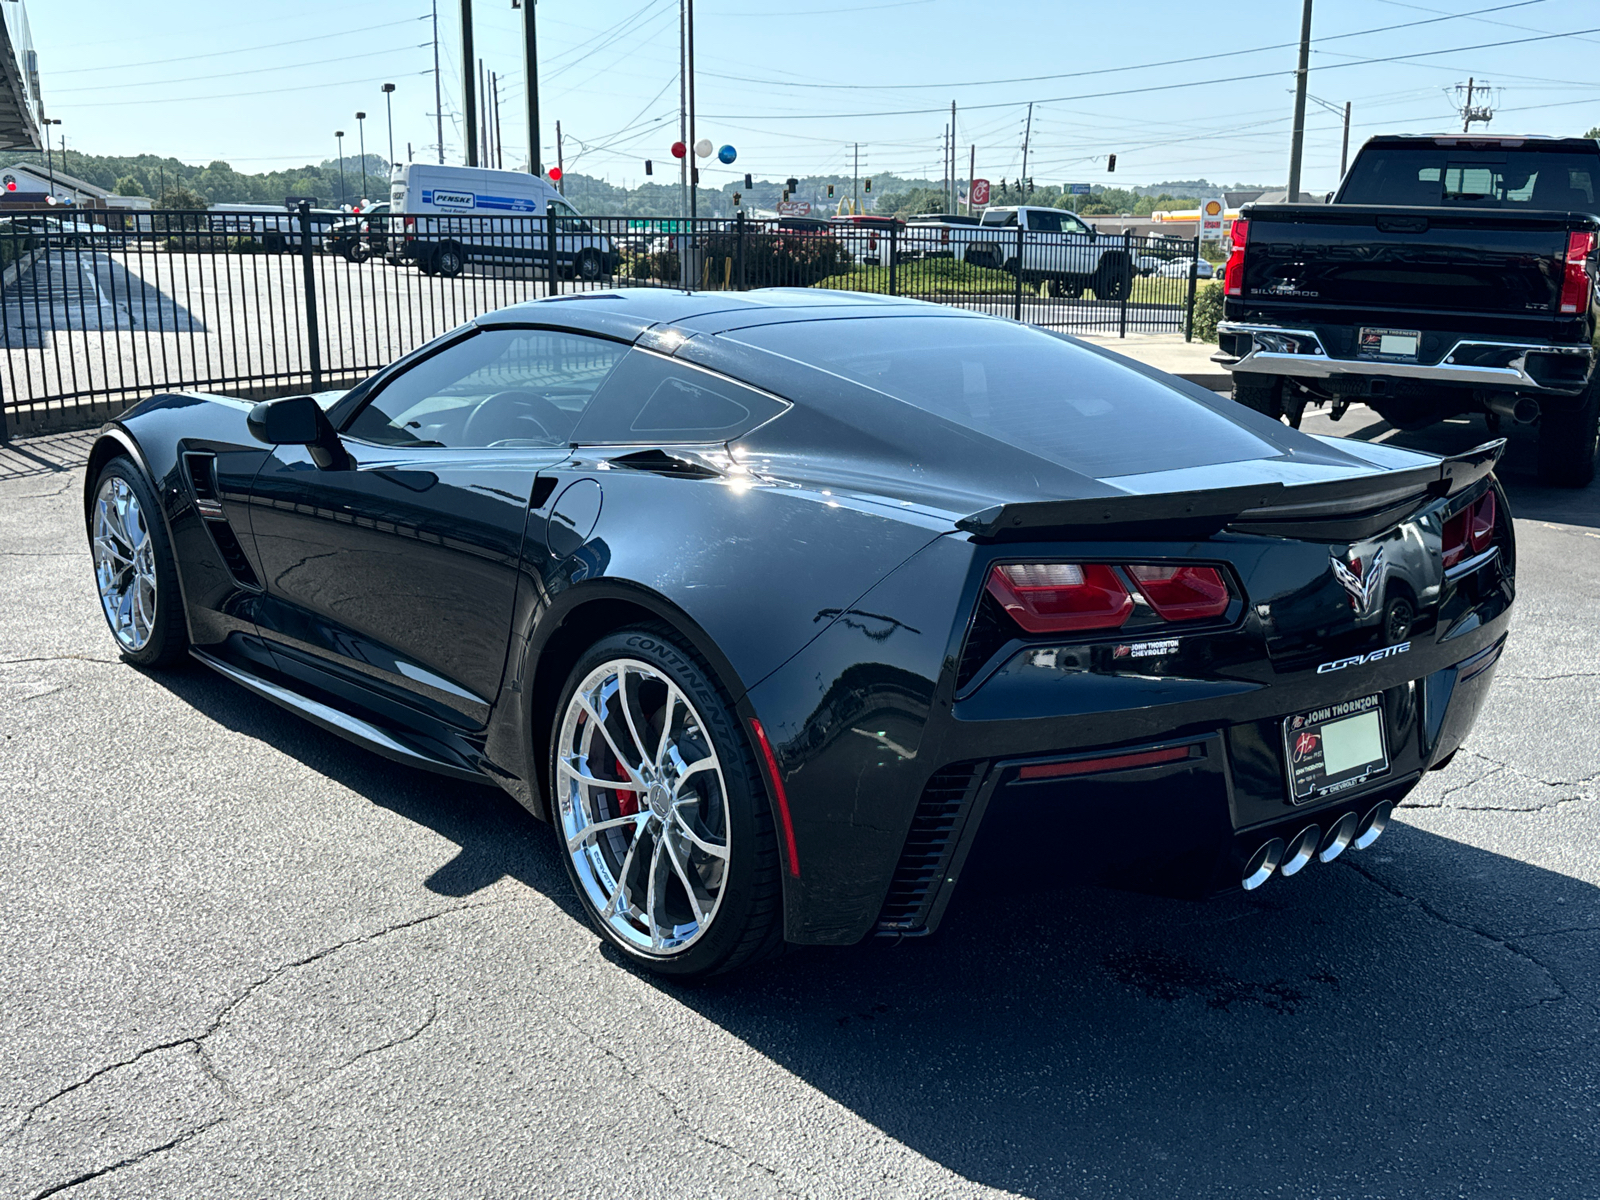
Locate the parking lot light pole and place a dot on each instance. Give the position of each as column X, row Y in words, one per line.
column 339, row 134
column 388, row 103
column 361, row 134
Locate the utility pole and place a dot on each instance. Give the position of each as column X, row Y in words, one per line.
column 972, row 173
column 953, row 198
column 530, row 71
column 1482, row 113
column 469, row 91
column 483, row 124
column 1344, row 147
column 1028, row 136
column 438, row 89
column 694, row 171
column 683, row 108
column 855, row 182
column 561, row 162
column 1297, row 145
column 499, row 143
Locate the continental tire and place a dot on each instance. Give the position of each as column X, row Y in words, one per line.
column 661, row 809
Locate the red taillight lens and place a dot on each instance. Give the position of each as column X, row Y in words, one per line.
column 1575, row 278
column 1183, row 593
column 1233, row 272
column 1061, row 597
column 1470, row 531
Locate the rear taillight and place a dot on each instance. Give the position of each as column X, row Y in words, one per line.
column 1069, row 597
column 1233, row 272
column 1061, row 597
column 1575, row 278
column 1183, row 593
column 1470, row 532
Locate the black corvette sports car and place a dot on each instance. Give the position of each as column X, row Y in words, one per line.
column 786, row 607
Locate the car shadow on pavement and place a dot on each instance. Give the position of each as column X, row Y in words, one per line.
column 1406, row 1023
column 497, row 837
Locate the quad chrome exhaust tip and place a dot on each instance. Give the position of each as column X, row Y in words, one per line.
column 1350, row 830
column 1262, row 864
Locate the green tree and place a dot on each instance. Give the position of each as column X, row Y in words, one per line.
column 1593, row 133
column 127, row 185
column 183, row 198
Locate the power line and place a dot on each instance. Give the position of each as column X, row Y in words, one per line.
column 103, row 87
column 303, row 87
column 158, row 62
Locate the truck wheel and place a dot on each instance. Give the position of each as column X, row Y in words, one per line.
column 1568, row 440
column 588, row 268
column 1264, row 393
column 1069, row 289
column 357, row 251
column 449, row 260
column 1114, row 280
column 985, row 257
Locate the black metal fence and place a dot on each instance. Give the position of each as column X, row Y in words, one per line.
column 98, row 309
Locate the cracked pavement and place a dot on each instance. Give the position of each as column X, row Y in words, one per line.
column 241, row 957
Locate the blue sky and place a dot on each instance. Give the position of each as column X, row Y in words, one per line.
column 794, row 84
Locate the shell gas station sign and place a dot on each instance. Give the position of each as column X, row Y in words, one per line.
column 1211, row 220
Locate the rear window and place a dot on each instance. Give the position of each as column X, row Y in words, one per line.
column 1020, row 386
column 1432, row 176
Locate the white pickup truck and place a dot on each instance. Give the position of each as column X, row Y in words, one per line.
column 1055, row 248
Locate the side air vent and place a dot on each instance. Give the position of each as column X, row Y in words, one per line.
column 929, row 846
column 992, row 627
column 202, row 471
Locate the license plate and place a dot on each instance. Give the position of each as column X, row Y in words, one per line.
column 1334, row 749
column 1394, row 344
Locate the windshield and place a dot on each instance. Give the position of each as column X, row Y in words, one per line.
column 1431, row 176
column 1021, row 386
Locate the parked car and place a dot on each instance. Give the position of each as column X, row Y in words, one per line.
column 1179, row 268
column 867, row 236
column 361, row 235
column 457, row 215
column 776, row 605
column 1046, row 245
column 1451, row 274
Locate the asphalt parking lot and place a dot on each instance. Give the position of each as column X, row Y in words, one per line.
column 241, row 957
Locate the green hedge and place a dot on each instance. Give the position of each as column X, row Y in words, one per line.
column 1207, row 310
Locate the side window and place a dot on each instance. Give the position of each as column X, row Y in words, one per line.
column 1071, row 224
column 567, row 219
column 499, row 387
column 652, row 400
column 1041, row 221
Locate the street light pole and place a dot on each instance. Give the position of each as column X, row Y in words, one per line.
column 469, row 86
column 49, row 158
column 530, row 72
column 361, row 131
column 388, row 103
column 1298, row 144
column 339, row 134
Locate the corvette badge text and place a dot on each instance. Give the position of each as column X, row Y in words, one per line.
column 1357, row 660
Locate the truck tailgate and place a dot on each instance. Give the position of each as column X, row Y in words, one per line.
column 1423, row 261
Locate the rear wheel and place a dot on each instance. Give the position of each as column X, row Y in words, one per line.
column 1114, row 280
column 357, row 251
column 1264, row 393
column 1569, row 439
column 656, row 795
column 449, row 260
column 1068, row 289
column 134, row 569
column 589, row 266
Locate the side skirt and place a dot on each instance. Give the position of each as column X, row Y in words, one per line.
column 363, row 733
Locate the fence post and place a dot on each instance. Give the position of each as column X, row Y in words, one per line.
column 313, row 328
column 1016, row 305
column 1127, row 257
column 894, row 258
column 550, row 251
column 1188, row 311
column 738, row 247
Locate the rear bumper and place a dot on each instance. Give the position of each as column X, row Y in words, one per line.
column 1470, row 362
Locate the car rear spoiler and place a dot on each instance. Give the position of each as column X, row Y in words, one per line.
column 1339, row 510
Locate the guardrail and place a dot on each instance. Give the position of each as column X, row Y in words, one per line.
column 113, row 307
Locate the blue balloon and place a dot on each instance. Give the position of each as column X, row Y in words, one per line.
column 727, row 154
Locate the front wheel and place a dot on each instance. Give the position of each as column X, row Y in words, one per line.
column 1114, row 280
column 357, row 252
column 134, row 570
column 657, row 798
column 1569, row 440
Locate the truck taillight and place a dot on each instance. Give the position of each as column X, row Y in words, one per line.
column 1575, row 278
column 1233, row 272
column 1068, row 597
column 1470, row 532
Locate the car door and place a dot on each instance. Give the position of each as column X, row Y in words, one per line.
column 396, row 572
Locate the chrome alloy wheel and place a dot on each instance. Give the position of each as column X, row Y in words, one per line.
column 124, row 563
column 643, row 806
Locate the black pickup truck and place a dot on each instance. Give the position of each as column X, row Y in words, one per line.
column 1451, row 274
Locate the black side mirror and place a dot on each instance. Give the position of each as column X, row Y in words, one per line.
column 298, row 421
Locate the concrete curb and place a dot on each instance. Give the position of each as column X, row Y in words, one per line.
column 14, row 272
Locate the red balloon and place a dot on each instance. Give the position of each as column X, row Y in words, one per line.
column 555, row 174
column 679, row 149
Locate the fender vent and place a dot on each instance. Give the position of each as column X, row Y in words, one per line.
column 929, row 845
column 202, row 472
column 992, row 627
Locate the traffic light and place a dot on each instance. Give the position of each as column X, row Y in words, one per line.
column 792, row 184
column 736, row 199
column 786, row 195
column 868, row 186
column 830, row 191
column 747, row 184
column 1030, row 185
column 1111, row 163
column 649, row 167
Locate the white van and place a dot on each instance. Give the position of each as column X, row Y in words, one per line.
column 448, row 216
